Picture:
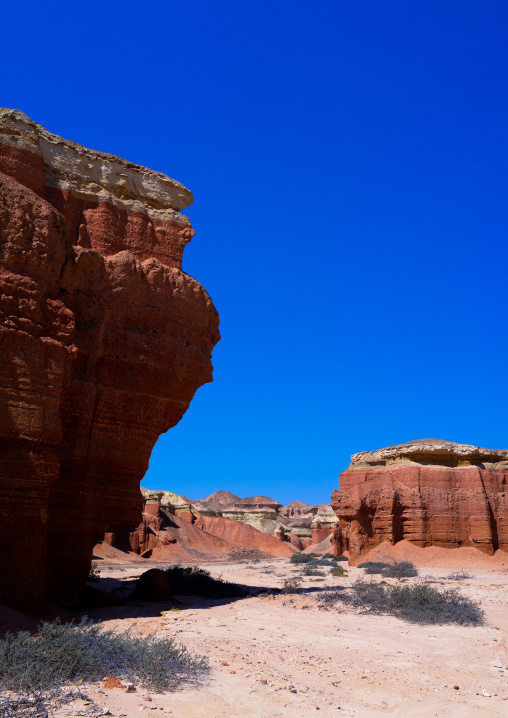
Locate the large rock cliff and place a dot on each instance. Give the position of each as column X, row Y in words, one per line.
column 429, row 492
column 103, row 342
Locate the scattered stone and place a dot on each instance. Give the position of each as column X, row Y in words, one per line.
column 110, row 682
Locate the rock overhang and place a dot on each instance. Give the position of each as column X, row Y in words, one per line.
column 104, row 342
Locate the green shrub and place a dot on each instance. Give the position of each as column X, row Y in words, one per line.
column 401, row 569
column 302, row 557
column 194, row 581
column 420, row 603
column 338, row 571
column 62, row 654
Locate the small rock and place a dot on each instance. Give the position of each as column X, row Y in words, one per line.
column 485, row 693
column 147, row 698
column 455, row 688
column 224, row 663
column 110, row 682
column 130, row 688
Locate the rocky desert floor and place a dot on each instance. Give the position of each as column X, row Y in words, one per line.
column 282, row 655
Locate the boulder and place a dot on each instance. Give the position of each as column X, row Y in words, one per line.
column 428, row 492
column 153, row 585
column 103, row 340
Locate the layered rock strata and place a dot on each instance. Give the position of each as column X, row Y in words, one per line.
column 169, row 535
column 428, row 492
column 103, row 342
column 298, row 523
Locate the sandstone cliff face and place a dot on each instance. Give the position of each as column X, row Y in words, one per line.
column 103, row 343
column 429, row 492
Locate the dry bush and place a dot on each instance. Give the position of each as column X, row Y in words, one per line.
column 302, row 557
column 309, row 570
column 338, row 571
column 291, row 585
column 400, row 569
column 420, row 603
column 35, row 669
column 457, row 576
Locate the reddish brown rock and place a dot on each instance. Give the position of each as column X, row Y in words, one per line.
column 169, row 537
column 428, row 492
column 103, row 343
column 297, row 510
column 153, row 585
column 214, row 504
column 168, row 534
column 242, row 534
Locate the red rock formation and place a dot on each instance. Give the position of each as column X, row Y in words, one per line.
column 298, row 510
column 165, row 523
column 169, row 537
column 214, row 504
column 428, row 492
column 242, row 534
column 103, row 343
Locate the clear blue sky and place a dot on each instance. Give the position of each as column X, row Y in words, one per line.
column 349, row 168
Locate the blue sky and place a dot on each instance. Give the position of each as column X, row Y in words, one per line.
column 348, row 164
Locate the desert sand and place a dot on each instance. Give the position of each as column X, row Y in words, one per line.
column 282, row 655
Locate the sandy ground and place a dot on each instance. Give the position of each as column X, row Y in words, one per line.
column 283, row 656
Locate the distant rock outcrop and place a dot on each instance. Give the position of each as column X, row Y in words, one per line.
column 167, row 533
column 214, row 504
column 429, row 492
column 297, row 523
column 103, row 341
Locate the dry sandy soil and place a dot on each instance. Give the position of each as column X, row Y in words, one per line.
column 283, row 656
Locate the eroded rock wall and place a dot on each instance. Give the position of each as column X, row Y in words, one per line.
column 103, row 342
column 429, row 492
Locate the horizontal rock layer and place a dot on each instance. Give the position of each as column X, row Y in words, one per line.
column 167, row 536
column 103, row 343
column 297, row 523
column 405, row 493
